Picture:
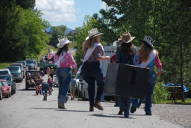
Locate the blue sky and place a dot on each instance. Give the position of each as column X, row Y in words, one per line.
column 68, row 12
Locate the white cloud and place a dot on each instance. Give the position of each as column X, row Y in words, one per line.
column 103, row 5
column 57, row 10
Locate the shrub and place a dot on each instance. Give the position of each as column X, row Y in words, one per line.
column 160, row 93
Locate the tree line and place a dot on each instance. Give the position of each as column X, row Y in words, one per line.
column 22, row 30
column 167, row 21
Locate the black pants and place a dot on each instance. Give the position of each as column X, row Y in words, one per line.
column 92, row 74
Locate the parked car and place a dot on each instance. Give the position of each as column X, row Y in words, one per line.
column 21, row 67
column 23, row 62
column 6, row 72
column 81, row 86
column 1, row 94
column 32, row 64
column 6, row 89
column 10, row 83
column 16, row 73
column 6, row 77
column 24, row 65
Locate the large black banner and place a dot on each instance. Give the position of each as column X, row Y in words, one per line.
column 126, row 80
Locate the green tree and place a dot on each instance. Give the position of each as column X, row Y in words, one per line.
column 58, row 32
column 81, row 34
column 167, row 21
column 26, row 4
column 21, row 32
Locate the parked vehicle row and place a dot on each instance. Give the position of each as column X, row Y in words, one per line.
column 16, row 72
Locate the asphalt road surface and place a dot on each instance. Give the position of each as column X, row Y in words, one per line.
column 26, row 110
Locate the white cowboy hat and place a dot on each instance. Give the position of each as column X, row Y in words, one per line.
column 148, row 40
column 130, row 38
column 62, row 42
column 93, row 33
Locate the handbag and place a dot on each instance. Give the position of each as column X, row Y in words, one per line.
column 85, row 65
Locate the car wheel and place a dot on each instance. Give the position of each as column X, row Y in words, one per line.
column 21, row 80
column 1, row 96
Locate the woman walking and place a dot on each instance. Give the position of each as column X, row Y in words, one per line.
column 125, row 55
column 148, row 58
column 91, row 71
column 65, row 63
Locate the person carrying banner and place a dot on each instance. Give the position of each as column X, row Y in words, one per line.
column 90, row 70
column 125, row 55
column 147, row 57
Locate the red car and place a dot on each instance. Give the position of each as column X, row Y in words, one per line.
column 6, row 88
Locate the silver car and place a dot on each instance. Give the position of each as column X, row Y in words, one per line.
column 16, row 73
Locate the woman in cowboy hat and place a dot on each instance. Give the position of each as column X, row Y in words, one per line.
column 148, row 58
column 125, row 55
column 91, row 71
column 65, row 63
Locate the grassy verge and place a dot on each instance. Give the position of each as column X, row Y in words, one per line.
column 187, row 101
column 4, row 65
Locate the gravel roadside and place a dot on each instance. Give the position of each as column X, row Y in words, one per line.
column 177, row 114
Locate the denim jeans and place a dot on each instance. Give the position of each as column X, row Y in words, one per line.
column 151, row 84
column 45, row 87
column 64, row 76
column 148, row 98
column 124, row 104
column 92, row 75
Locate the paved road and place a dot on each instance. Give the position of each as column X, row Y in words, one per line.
column 25, row 110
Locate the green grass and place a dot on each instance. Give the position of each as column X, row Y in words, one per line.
column 187, row 101
column 4, row 65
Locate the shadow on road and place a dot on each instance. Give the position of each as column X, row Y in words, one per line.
column 66, row 110
column 25, row 89
column 110, row 116
column 45, row 108
column 56, row 109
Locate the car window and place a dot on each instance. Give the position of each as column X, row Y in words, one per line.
column 4, row 83
column 8, row 78
column 4, row 73
column 14, row 69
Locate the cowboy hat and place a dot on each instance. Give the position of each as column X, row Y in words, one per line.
column 149, row 41
column 93, row 33
column 62, row 42
column 128, row 36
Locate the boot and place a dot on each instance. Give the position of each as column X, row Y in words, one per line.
column 91, row 108
column 120, row 112
column 45, row 97
column 61, row 106
column 98, row 105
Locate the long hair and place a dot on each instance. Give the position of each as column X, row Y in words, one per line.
column 60, row 50
column 126, row 48
column 89, row 43
column 144, row 52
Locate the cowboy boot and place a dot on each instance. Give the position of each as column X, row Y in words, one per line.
column 98, row 105
column 61, row 105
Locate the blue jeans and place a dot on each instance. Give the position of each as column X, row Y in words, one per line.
column 151, row 84
column 45, row 87
column 124, row 104
column 94, row 74
column 148, row 98
column 64, row 76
